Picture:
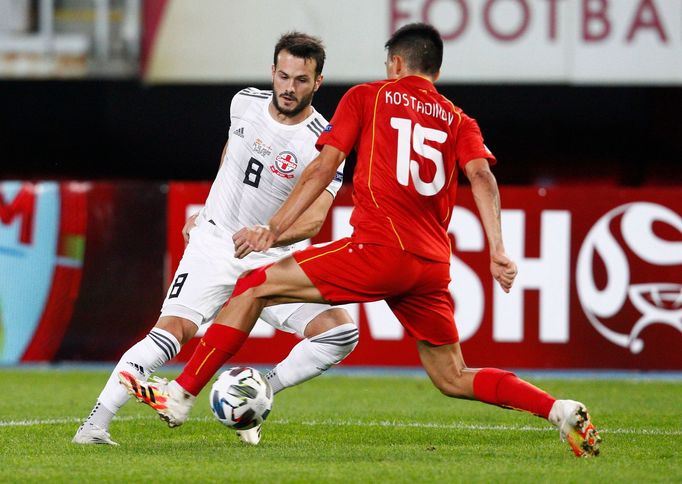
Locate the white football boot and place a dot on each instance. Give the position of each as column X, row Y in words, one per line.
column 169, row 399
column 575, row 426
column 90, row 434
column 250, row 436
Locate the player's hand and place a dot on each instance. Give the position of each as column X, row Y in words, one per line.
column 189, row 225
column 252, row 239
column 503, row 270
column 241, row 243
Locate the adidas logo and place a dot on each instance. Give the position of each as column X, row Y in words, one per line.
column 239, row 132
column 139, row 368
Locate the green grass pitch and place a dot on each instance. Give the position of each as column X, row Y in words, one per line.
column 340, row 429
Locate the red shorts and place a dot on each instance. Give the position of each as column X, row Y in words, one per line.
column 415, row 289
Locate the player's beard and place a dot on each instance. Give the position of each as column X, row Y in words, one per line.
column 305, row 101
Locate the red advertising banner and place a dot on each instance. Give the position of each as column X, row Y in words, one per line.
column 42, row 241
column 77, row 282
column 599, row 285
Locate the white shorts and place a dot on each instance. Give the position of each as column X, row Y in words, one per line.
column 206, row 276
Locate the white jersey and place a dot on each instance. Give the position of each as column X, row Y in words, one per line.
column 264, row 160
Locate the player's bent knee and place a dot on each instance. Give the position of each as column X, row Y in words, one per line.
column 450, row 390
column 181, row 328
column 329, row 319
column 452, row 385
column 337, row 343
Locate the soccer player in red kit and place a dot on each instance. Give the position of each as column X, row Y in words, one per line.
column 411, row 142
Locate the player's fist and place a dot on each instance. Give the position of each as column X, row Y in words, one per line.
column 189, row 225
column 503, row 270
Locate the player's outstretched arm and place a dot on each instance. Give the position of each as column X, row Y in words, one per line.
column 309, row 223
column 314, row 179
column 487, row 198
column 306, row 226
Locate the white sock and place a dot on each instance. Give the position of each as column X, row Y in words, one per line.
column 100, row 416
column 142, row 359
column 311, row 357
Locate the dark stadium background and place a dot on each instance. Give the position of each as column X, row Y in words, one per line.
column 541, row 134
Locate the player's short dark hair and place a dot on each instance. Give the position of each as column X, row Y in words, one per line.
column 303, row 46
column 420, row 45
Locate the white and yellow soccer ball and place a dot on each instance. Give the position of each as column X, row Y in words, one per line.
column 241, row 398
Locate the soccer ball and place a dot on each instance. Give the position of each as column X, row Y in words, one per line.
column 241, row 398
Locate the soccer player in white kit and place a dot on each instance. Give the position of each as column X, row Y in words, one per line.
column 271, row 140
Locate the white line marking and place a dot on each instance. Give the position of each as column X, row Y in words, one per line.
column 462, row 426
column 60, row 421
column 355, row 423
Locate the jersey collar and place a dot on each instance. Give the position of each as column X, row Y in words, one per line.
column 287, row 127
column 420, row 82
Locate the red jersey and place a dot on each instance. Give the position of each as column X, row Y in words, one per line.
column 410, row 140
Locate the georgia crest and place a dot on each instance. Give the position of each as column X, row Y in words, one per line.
column 285, row 164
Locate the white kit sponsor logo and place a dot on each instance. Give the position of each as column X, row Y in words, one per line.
column 285, row 164
column 261, row 148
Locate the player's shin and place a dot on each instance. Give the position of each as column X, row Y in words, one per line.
column 218, row 345
column 503, row 388
column 311, row 357
column 221, row 341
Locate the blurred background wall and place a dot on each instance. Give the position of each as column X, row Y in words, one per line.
column 108, row 106
column 565, row 90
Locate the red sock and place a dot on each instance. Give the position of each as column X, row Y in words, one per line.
column 505, row 389
column 217, row 346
